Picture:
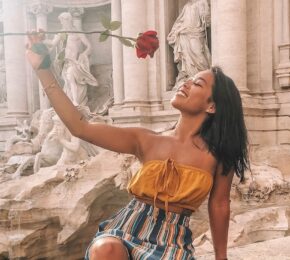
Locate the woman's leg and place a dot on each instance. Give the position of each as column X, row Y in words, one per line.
column 108, row 248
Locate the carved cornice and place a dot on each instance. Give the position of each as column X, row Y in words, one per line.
column 39, row 8
column 70, row 3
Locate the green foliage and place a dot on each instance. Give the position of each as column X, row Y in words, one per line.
column 115, row 25
column 112, row 26
column 126, row 42
column 106, row 22
column 104, row 36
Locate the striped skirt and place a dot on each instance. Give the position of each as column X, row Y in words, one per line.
column 146, row 237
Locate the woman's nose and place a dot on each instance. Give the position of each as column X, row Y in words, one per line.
column 188, row 84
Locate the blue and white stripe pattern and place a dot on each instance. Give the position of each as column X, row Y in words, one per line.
column 146, row 237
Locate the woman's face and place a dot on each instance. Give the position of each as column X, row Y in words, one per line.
column 194, row 96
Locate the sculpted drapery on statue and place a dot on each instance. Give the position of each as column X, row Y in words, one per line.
column 189, row 40
column 72, row 61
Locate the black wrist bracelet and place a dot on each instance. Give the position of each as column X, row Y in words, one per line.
column 41, row 49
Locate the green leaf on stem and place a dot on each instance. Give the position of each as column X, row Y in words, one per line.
column 104, row 36
column 126, row 42
column 115, row 25
column 106, row 22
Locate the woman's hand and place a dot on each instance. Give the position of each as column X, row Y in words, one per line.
column 37, row 52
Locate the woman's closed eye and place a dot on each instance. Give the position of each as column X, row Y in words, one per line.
column 197, row 83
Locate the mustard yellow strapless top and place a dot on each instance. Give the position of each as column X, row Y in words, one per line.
column 180, row 185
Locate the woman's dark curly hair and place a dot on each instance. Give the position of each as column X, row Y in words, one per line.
column 224, row 131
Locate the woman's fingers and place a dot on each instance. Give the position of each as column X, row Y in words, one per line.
column 41, row 34
column 34, row 59
column 35, row 37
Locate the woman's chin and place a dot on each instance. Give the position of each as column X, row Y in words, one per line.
column 175, row 103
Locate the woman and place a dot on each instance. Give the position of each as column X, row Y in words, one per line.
column 206, row 148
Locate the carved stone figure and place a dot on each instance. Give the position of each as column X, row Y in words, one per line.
column 24, row 133
column 75, row 150
column 29, row 138
column 56, row 145
column 72, row 61
column 50, row 152
column 52, row 147
column 189, row 41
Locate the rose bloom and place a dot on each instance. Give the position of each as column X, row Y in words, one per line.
column 147, row 43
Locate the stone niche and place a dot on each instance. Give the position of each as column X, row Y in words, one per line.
column 101, row 56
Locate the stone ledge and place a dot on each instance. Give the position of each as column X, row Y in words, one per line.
column 276, row 249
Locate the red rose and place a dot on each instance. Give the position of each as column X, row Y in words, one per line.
column 147, row 43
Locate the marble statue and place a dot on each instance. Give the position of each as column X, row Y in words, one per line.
column 29, row 138
column 189, row 41
column 56, row 145
column 72, row 61
column 52, row 148
column 50, row 152
column 75, row 150
column 24, row 134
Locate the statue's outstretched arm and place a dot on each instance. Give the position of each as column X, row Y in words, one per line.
column 131, row 140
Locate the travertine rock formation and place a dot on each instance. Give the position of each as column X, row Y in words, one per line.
column 53, row 214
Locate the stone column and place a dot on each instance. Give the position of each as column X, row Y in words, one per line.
column 283, row 70
column 17, row 105
column 134, row 14
column 41, row 11
column 32, row 80
column 229, row 39
column 77, row 14
column 286, row 21
column 117, row 55
column 154, row 70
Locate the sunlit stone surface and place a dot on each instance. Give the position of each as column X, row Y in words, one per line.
column 52, row 197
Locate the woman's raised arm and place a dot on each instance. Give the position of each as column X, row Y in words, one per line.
column 123, row 140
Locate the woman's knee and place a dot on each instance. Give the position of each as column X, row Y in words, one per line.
column 108, row 248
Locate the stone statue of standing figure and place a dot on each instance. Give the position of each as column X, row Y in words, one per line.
column 72, row 61
column 189, row 40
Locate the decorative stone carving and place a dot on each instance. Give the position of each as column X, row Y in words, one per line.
column 50, row 152
column 24, row 133
column 40, row 9
column 72, row 62
column 30, row 138
column 189, row 40
column 52, row 145
column 283, row 70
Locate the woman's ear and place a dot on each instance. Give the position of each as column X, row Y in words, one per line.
column 211, row 108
